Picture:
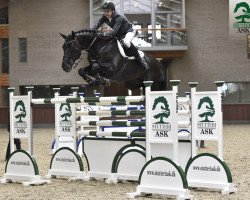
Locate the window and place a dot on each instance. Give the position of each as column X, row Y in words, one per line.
column 5, row 56
column 235, row 93
column 22, row 43
column 4, row 15
column 165, row 17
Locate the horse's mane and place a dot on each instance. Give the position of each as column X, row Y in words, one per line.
column 86, row 31
column 85, row 35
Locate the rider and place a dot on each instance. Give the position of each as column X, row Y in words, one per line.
column 121, row 28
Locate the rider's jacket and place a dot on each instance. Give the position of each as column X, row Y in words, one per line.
column 119, row 23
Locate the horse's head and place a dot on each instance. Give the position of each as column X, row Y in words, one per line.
column 72, row 51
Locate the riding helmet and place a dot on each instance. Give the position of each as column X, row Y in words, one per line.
column 108, row 6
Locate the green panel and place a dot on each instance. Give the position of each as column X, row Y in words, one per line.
column 92, row 113
column 117, row 123
column 33, row 161
column 92, row 133
column 11, row 89
column 179, row 169
column 175, row 82
column 92, row 123
column 118, row 112
column 121, row 99
column 148, row 83
column 76, row 155
column 137, row 123
column 121, row 153
column 73, row 100
column 137, row 112
column 119, row 134
column 47, row 100
column 91, row 99
column 138, row 134
column 224, row 165
column 130, row 103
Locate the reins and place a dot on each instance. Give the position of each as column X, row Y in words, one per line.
column 77, row 61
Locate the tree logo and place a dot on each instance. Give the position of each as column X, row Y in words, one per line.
column 67, row 111
column 165, row 111
column 21, row 111
column 242, row 12
column 207, row 107
column 239, row 19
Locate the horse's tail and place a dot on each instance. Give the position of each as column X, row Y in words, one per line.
column 164, row 79
column 157, row 73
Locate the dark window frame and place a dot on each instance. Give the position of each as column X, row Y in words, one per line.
column 22, row 46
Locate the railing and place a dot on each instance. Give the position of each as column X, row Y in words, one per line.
column 164, row 38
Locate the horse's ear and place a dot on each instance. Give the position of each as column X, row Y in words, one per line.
column 64, row 36
column 73, row 35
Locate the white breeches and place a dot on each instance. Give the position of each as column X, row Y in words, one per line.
column 128, row 38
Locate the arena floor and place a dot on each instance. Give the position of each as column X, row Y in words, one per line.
column 236, row 155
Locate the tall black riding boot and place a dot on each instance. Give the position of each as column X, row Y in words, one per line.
column 17, row 142
column 136, row 54
column 7, row 152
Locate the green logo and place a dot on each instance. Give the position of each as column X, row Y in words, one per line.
column 242, row 10
column 165, row 112
column 207, row 105
column 20, row 109
column 68, row 111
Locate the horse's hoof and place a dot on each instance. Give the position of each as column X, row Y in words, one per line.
column 90, row 84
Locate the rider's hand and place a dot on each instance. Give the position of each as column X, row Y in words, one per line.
column 92, row 29
column 103, row 35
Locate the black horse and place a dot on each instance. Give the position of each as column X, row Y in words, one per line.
column 108, row 63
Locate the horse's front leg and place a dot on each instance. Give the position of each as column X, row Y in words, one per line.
column 90, row 70
column 96, row 80
column 87, row 69
column 102, row 81
column 85, row 76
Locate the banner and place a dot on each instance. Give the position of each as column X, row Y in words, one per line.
column 239, row 19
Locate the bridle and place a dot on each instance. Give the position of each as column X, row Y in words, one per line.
column 74, row 61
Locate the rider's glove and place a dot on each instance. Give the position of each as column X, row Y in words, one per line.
column 105, row 34
column 92, row 29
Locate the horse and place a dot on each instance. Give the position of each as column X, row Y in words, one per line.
column 108, row 62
